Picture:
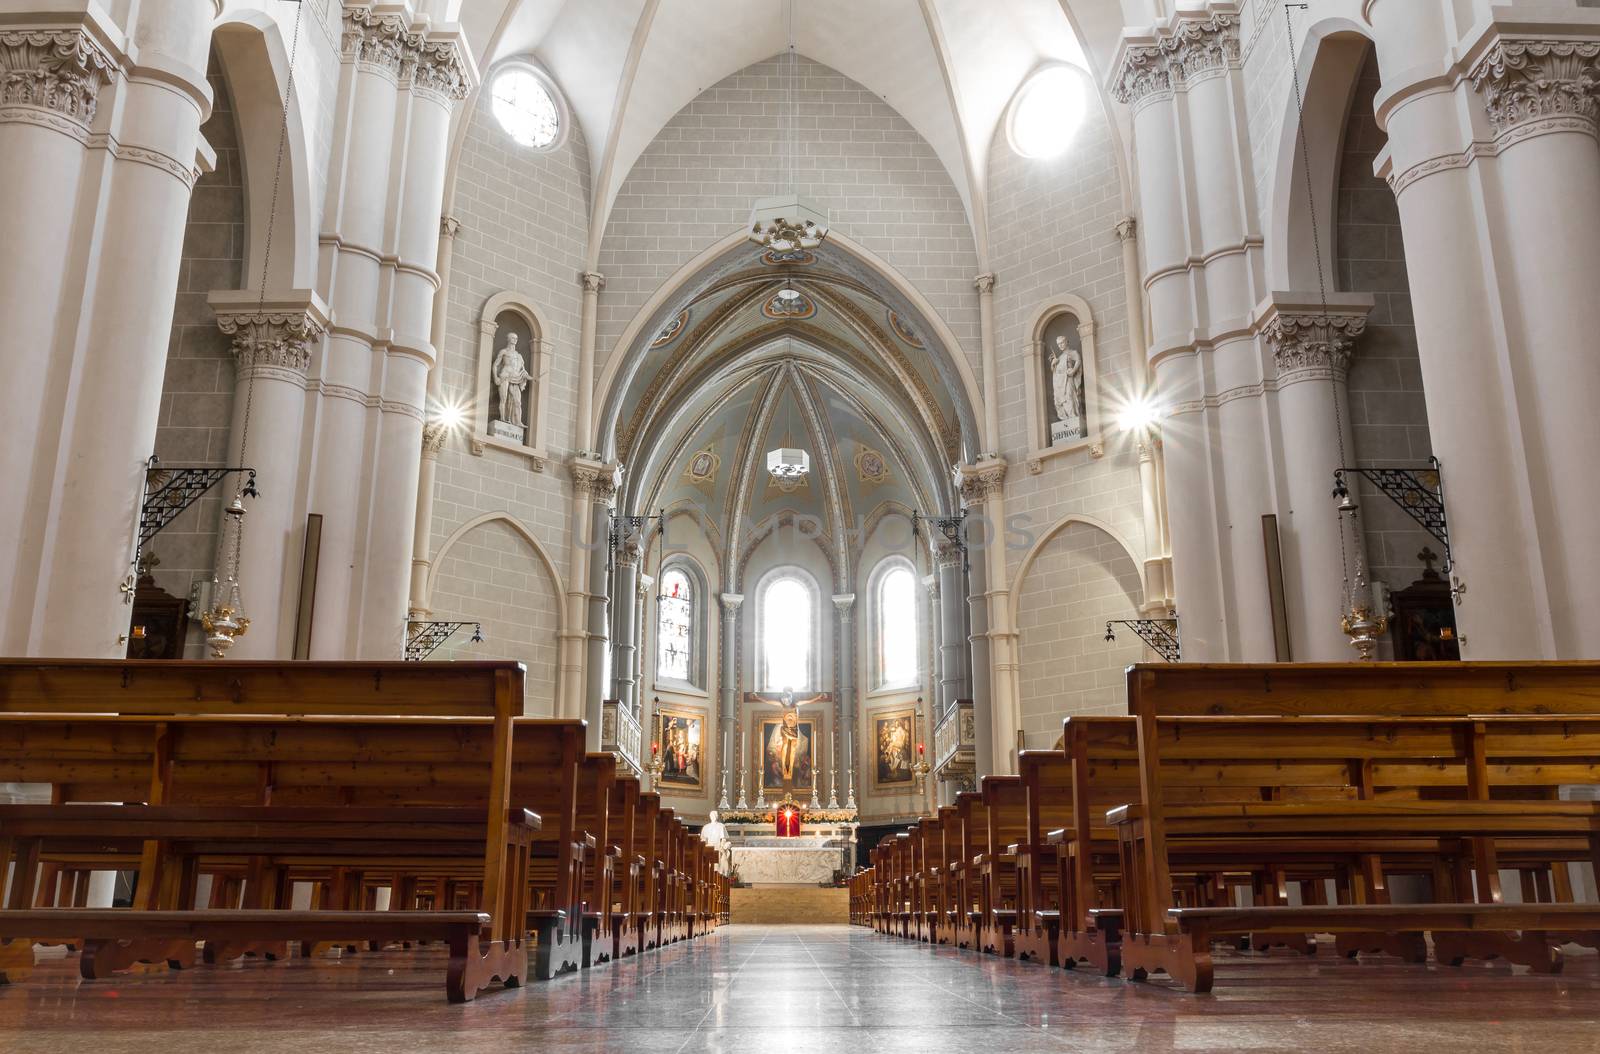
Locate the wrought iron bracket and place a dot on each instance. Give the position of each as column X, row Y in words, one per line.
column 1417, row 489
column 428, row 637
column 951, row 528
column 1160, row 633
column 170, row 490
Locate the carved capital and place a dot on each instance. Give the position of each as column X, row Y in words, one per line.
column 844, row 604
column 377, row 43
column 449, row 226
column 1528, row 80
column 1195, row 44
column 1318, row 342
column 730, row 603
column 434, row 433
column 1127, row 229
column 978, row 483
column 985, row 284
column 61, row 71
column 593, row 282
column 267, row 336
column 595, row 479
column 439, row 68
column 629, row 552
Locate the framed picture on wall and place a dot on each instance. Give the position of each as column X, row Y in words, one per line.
column 894, row 748
column 682, row 742
column 788, row 751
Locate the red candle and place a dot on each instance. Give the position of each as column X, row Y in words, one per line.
column 655, row 748
column 920, row 749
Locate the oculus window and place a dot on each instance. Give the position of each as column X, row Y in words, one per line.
column 526, row 107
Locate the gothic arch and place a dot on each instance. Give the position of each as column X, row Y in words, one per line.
column 1044, row 540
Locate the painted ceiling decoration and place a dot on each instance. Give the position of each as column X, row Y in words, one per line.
column 702, row 468
column 904, row 332
column 670, row 331
column 782, row 307
column 871, row 466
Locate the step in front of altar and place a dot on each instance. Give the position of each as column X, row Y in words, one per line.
column 790, row 905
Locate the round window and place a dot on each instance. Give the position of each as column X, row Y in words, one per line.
column 526, row 109
column 1048, row 112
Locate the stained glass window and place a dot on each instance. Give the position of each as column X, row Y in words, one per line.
column 897, row 627
column 675, row 627
column 525, row 108
column 787, row 630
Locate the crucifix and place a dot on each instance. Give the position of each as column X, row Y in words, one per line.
column 786, row 742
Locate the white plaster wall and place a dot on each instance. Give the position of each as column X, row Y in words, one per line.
column 493, row 576
column 879, row 180
column 523, row 218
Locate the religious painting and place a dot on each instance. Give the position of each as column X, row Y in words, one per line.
column 788, row 753
column 871, row 466
column 894, row 748
column 682, row 736
column 702, row 468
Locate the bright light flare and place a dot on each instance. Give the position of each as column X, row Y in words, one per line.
column 450, row 414
column 1048, row 112
column 1139, row 414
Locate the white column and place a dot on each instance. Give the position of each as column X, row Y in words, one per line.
column 274, row 339
column 434, row 434
column 596, row 485
column 991, row 370
column 51, row 102
column 729, row 720
column 1157, row 559
column 98, row 372
column 593, row 282
column 1467, row 298
column 624, row 617
column 845, row 692
column 982, row 489
column 1312, row 345
column 1204, row 259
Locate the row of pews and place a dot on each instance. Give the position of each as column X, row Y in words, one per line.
column 1262, row 806
column 334, row 787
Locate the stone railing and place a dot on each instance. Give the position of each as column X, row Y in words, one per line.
column 955, row 746
column 620, row 734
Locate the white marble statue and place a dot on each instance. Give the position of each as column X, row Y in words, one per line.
column 511, row 379
column 1066, row 387
column 715, row 834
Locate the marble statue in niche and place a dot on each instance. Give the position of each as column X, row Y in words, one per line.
column 511, row 377
column 1067, row 401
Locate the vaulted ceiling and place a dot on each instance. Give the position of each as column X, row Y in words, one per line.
column 950, row 67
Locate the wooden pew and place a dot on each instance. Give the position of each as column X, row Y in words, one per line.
column 930, row 880
column 1005, row 800
column 177, row 690
column 1047, row 777
column 596, row 776
column 967, row 881
column 626, row 872
column 1176, row 940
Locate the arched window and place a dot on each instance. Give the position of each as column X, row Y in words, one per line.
column 675, row 627
column 896, row 613
column 788, row 616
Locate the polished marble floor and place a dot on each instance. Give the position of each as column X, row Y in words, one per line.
column 812, row 990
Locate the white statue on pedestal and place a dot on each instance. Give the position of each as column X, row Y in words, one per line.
column 1066, row 390
column 715, row 834
column 511, row 379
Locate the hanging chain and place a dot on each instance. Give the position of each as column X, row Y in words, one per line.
column 266, row 267
column 1322, row 280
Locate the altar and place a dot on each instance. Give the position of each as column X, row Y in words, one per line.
column 758, row 855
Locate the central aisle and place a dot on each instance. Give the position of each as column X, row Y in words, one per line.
column 805, row 989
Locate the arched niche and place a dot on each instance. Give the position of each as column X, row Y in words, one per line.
column 506, row 316
column 1062, row 332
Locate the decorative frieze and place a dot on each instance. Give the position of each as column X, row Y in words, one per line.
column 1523, row 81
column 1197, row 45
column 61, row 71
column 271, row 340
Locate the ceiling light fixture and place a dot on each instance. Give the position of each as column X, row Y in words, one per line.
column 788, row 223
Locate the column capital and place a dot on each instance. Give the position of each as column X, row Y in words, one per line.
column 376, row 43
column 1192, row 46
column 843, row 603
column 977, row 482
column 449, row 226
column 57, row 70
column 984, row 283
column 592, row 281
column 271, row 334
column 440, row 67
column 1522, row 81
column 629, row 552
column 597, row 479
column 1127, row 229
column 731, row 602
column 434, row 433
column 1312, row 338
